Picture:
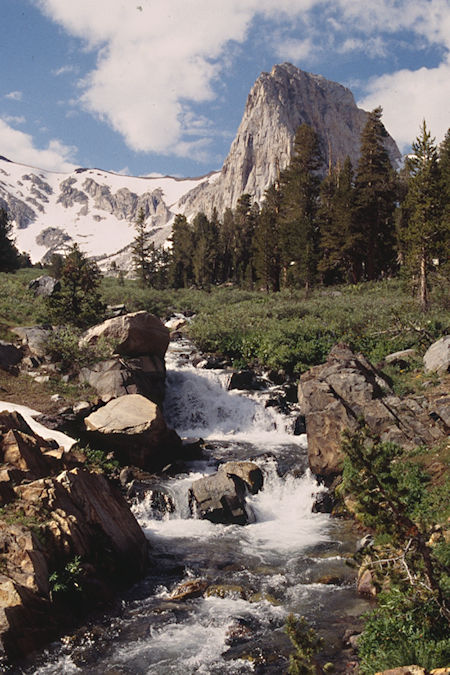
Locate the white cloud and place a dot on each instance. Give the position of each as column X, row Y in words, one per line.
column 295, row 50
column 158, row 59
column 19, row 147
column 64, row 70
column 14, row 95
column 14, row 119
column 408, row 97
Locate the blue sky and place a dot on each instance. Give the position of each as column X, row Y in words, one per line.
column 142, row 86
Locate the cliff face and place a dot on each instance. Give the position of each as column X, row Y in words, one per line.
column 277, row 104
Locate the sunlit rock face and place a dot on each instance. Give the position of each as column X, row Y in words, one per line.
column 277, row 104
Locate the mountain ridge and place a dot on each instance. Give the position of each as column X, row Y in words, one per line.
column 96, row 208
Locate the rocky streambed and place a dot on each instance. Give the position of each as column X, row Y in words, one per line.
column 236, row 536
column 217, row 595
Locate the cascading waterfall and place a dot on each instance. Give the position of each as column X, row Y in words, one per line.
column 257, row 573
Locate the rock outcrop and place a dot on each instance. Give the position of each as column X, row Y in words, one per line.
column 337, row 394
column 94, row 200
column 135, row 334
column 34, row 338
column 135, row 430
column 278, row 103
column 67, row 538
column 44, row 286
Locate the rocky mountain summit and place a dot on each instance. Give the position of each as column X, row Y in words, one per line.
column 95, row 208
column 278, row 103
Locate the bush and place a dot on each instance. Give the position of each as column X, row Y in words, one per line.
column 403, row 630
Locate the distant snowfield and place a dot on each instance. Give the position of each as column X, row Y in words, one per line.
column 29, row 414
column 99, row 232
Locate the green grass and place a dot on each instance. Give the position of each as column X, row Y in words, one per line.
column 283, row 330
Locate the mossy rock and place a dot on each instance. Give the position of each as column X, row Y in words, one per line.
column 226, row 591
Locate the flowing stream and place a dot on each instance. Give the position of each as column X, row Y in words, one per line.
column 287, row 560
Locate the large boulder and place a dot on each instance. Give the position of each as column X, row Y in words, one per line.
column 220, row 497
column 135, row 334
column 77, row 513
column 68, row 516
column 249, row 472
column 335, row 396
column 116, row 377
column 134, row 428
column 44, row 286
column 34, row 338
column 437, row 357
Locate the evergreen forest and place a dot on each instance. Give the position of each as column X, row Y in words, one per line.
column 355, row 224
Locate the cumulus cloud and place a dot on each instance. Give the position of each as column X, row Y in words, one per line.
column 19, row 147
column 156, row 60
column 408, row 97
column 14, row 95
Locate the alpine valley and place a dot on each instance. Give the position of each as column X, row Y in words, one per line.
column 97, row 208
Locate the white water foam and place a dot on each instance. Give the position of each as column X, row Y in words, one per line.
column 284, row 522
column 198, row 404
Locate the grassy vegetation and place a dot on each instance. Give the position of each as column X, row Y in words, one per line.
column 283, row 330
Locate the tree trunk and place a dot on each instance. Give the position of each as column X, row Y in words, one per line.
column 423, row 285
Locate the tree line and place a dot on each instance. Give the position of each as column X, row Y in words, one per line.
column 355, row 224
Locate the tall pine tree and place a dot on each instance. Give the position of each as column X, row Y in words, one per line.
column 181, row 273
column 424, row 231
column 141, row 249
column 298, row 225
column 205, row 251
column 266, row 249
column 375, row 185
column 340, row 242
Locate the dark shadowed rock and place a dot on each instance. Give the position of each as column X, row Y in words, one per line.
column 220, row 497
column 244, row 379
column 249, row 472
column 116, row 377
column 10, row 356
column 34, row 337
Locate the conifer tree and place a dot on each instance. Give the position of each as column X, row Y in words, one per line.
column 375, row 184
column 425, row 231
column 243, row 230
column 205, row 251
column 444, row 165
column 180, row 272
column 340, row 242
column 78, row 302
column 9, row 255
column 298, row 225
column 226, row 237
column 267, row 260
column 141, row 250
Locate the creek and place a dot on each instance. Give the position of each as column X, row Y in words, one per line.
column 288, row 559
